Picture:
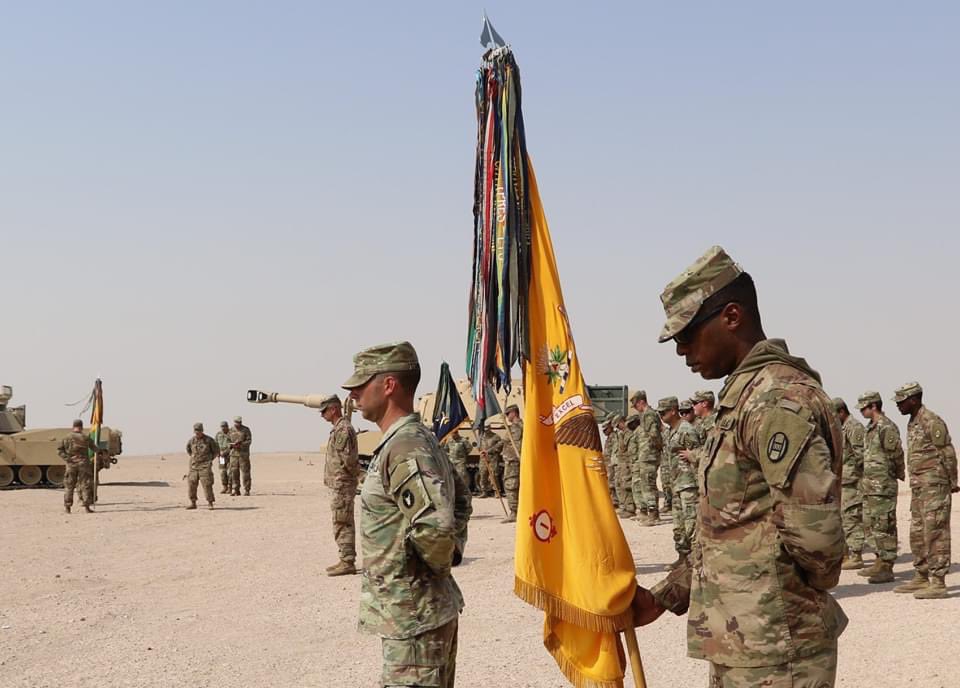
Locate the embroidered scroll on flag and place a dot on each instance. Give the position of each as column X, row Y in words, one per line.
column 571, row 557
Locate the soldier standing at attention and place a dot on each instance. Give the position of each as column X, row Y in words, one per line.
column 626, row 455
column 458, row 449
column 223, row 441
column 410, row 512
column 770, row 539
column 202, row 450
column 649, row 449
column 704, row 411
column 932, row 463
column 491, row 448
column 341, row 471
column 882, row 468
column 240, row 439
column 610, row 458
column 74, row 450
column 851, row 499
column 682, row 443
column 511, row 461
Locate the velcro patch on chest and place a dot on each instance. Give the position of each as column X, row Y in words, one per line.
column 409, row 491
column 783, row 439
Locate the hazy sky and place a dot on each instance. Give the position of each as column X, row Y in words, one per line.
column 201, row 197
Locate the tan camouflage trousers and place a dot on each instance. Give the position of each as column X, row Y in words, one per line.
column 245, row 472
column 684, row 519
column 225, row 475
column 930, row 528
column 851, row 503
column 644, row 486
column 428, row 660
column 816, row 671
column 233, row 472
column 624, row 490
column 344, row 529
column 612, row 482
column 78, row 476
column 511, row 484
column 666, row 484
column 486, row 483
column 203, row 476
column 880, row 514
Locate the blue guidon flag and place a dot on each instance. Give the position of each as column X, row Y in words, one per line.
column 448, row 409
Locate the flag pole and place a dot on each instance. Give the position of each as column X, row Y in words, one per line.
column 493, row 476
column 630, row 633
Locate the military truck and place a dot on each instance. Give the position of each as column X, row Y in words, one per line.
column 29, row 457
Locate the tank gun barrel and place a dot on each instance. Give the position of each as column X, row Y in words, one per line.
column 256, row 396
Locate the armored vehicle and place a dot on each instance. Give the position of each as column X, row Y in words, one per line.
column 29, row 457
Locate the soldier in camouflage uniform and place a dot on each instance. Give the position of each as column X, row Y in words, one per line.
column 932, row 464
column 223, row 441
column 626, row 456
column 202, row 450
column 610, row 457
column 411, row 510
column 704, row 412
column 511, row 461
column 682, row 444
column 851, row 499
column 75, row 451
column 666, row 469
column 458, row 449
column 649, row 450
column 341, row 472
column 240, row 438
column 769, row 533
column 491, row 449
column 882, row 468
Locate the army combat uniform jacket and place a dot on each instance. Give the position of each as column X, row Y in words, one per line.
column 649, row 439
column 932, row 459
column 341, row 467
column 202, row 452
column 685, row 470
column 75, row 447
column 882, row 458
column 853, row 438
column 770, row 535
column 410, row 512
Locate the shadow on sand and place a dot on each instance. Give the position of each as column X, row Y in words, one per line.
column 148, row 483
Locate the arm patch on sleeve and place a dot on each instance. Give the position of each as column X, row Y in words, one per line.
column 889, row 438
column 782, row 440
column 938, row 434
column 409, row 491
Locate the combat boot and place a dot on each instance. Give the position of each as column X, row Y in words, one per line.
column 918, row 582
column 937, row 590
column 884, row 573
column 343, row 568
column 86, row 507
column 193, row 505
column 872, row 569
column 246, row 493
column 66, row 508
column 622, row 513
column 653, row 518
column 224, row 491
column 853, row 560
column 210, row 505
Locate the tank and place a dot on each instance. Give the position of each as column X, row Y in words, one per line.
column 28, row 457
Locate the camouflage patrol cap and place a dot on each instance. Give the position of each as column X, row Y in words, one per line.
column 198, row 427
column 667, row 403
column 639, row 394
column 633, row 419
column 328, row 401
column 702, row 395
column 685, row 406
column 911, row 389
column 838, row 403
column 614, row 418
column 224, row 424
column 512, row 407
column 868, row 398
column 78, row 423
column 683, row 297
column 395, row 357
column 237, row 419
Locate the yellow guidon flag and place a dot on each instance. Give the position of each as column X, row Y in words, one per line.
column 571, row 559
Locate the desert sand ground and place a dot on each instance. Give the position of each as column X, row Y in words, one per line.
column 144, row 593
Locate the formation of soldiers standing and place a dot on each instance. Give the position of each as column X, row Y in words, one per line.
column 672, row 439
column 232, row 448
